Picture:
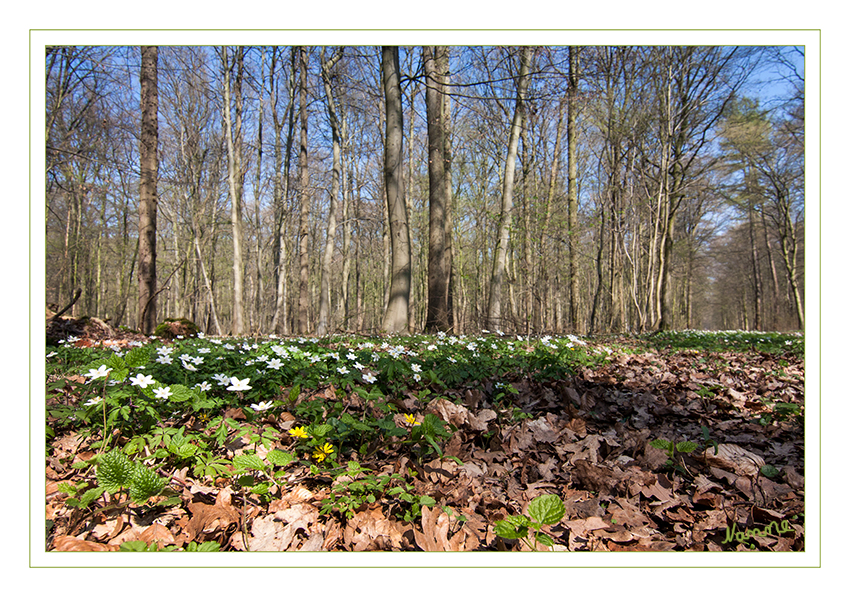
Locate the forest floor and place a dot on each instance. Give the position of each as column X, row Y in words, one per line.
column 689, row 441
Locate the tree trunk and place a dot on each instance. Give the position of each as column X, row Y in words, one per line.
column 233, row 135
column 280, row 321
column 396, row 315
column 148, row 164
column 325, row 286
column 258, row 321
column 572, row 186
column 438, row 316
column 304, row 216
column 494, row 307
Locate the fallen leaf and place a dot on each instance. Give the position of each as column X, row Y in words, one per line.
column 732, row 457
column 156, row 533
column 67, row 543
column 207, row 518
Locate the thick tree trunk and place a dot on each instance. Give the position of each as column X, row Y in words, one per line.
column 494, row 306
column 148, row 163
column 396, row 314
column 438, row 317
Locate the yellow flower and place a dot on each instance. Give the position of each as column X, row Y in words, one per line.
column 411, row 419
column 298, row 432
column 323, row 452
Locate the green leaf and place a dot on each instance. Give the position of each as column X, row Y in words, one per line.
column 261, row 488
column 686, row 447
column 661, row 444
column 145, row 484
column 319, row 431
column 248, row 461
column 66, row 487
column 115, row 362
column 90, row 496
column 114, row 471
column 768, row 470
column 137, row 357
column 119, row 374
column 205, row 546
column 544, row 539
column 547, row 509
column 512, row 527
column 281, row 458
column 354, row 467
column 181, row 393
column 183, row 451
column 135, row 546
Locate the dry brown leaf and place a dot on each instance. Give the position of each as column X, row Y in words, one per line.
column 542, row 430
column 586, row 449
column 156, row 533
column 208, row 519
column 333, row 534
column 794, row 479
column 370, row 530
column 67, row 543
column 594, row 477
column 577, row 426
column 479, row 421
column 732, row 457
column 451, row 413
column 435, row 531
column 582, row 527
column 267, row 534
column 627, row 514
column 313, row 543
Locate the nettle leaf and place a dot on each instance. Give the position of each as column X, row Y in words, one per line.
column 686, row 447
column 319, row 431
column 248, row 461
column 279, row 457
column 145, row 484
column 67, row 487
column 547, row 509
column 115, row 471
column 261, row 488
column 661, row 444
column 354, row 467
column 89, row 496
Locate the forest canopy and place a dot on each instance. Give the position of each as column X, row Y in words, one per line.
column 590, row 189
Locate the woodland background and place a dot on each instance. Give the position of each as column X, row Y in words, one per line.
column 654, row 187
